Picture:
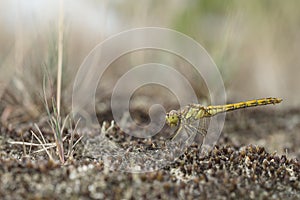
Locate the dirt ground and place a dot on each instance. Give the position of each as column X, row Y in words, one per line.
column 257, row 157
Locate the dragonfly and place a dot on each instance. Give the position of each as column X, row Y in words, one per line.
column 196, row 113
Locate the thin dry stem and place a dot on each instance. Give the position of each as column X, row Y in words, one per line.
column 77, row 142
column 60, row 53
column 24, row 148
column 30, row 143
column 103, row 127
column 71, row 141
column 36, row 137
column 39, row 130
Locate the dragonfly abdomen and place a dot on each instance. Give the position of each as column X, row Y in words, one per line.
column 213, row 110
column 252, row 103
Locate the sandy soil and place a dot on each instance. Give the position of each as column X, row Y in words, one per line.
column 257, row 157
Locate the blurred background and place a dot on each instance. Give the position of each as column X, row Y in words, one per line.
column 255, row 44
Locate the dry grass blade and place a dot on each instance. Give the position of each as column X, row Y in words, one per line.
column 38, row 139
column 30, row 143
column 60, row 53
column 77, row 142
column 41, row 150
column 54, row 122
column 24, row 148
column 71, row 141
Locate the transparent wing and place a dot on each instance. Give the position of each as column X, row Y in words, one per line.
column 189, row 129
column 203, row 126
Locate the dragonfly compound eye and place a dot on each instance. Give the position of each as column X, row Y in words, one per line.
column 172, row 118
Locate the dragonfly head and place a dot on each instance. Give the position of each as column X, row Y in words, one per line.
column 173, row 118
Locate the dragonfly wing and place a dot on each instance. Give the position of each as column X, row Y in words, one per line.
column 190, row 130
column 184, row 134
column 203, row 126
column 199, row 126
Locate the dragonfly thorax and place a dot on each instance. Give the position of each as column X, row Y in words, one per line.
column 173, row 118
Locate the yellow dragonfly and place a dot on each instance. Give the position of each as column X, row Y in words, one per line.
column 187, row 116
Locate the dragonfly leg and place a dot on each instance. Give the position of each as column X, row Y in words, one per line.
column 177, row 132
